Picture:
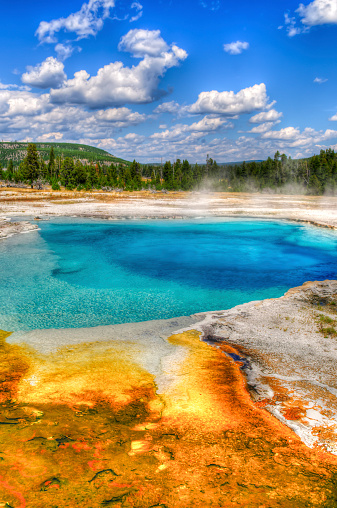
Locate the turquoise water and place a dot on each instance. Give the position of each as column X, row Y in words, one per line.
column 75, row 273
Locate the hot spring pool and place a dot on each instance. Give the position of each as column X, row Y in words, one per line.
column 80, row 273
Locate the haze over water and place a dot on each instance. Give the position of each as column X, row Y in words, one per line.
column 75, row 273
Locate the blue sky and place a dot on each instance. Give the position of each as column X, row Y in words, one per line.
column 151, row 80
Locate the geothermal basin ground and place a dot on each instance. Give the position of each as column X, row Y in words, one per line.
column 224, row 408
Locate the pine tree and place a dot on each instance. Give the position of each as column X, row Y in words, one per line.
column 43, row 173
column 112, row 175
column 138, row 178
column 51, row 164
column 10, row 170
column 68, row 173
column 80, row 174
column 168, row 175
column 187, row 177
column 31, row 164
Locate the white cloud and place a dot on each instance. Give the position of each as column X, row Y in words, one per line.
column 85, row 22
column 293, row 137
column 184, row 143
column 48, row 74
column 64, row 51
column 320, row 80
column 318, row 12
column 263, row 127
column 230, row 103
column 235, row 48
column 139, row 11
column 269, row 106
column 28, row 114
column 209, row 124
column 116, row 85
column 121, row 117
column 292, row 29
column 333, row 118
column 329, row 134
column 13, row 87
column 168, row 107
column 141, row 42
column 51, row 135
column 266, row 116
column 185, row 132
column 15, row 103
column 286, row 133
column 33, row 117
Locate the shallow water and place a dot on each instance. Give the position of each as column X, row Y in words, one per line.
column 75, row 273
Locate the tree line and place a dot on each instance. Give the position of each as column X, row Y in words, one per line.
column 315, row 175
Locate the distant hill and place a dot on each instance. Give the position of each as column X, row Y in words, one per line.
column 86, row 154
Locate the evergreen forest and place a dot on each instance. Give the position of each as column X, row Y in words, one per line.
column 314, row 176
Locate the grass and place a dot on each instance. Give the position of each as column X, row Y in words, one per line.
column 326, row 319
column 327, row 331
column 330, row 330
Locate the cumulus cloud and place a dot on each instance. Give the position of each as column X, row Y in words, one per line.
column 117, row 85
column 28, row 115
column 168, row 107
column 85, row 22
column 286, row 133
column 31, row 115
column 48, row 74
column 189, row 133
column 318, row 12
column 263, row 127
column 181, row 141
column 120, row 117
column 266, row 116
column 246, row 100
column 209, row 124
column 16, row 103
column 141, row 42
column 320, row 80
column 236, row 48
column 50, row 135
column 293, row 137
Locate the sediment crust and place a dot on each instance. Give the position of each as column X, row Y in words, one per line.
column 8, row 228
column 316, row 210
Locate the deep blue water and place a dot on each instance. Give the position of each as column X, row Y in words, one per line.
column 74, row 273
